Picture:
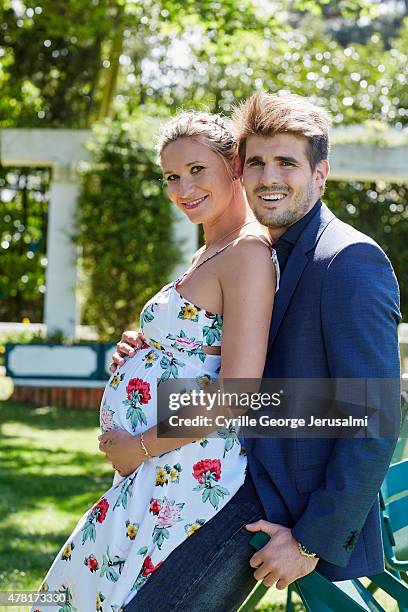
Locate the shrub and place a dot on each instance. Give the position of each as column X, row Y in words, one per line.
column 380, row 210
column 125, row 227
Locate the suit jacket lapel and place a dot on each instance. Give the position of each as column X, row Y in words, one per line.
column 295, row 267
column 293, row 271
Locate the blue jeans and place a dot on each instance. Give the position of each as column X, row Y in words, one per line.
column 210, row 571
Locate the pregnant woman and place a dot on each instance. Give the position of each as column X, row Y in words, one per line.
column 213, row 321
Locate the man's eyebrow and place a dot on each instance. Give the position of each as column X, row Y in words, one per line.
column 189, row 164
column 253, row 158
column 287, row 158
column 280, row 158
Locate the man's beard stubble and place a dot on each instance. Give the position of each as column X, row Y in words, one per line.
column 300, row 206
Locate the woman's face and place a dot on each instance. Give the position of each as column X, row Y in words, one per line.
column 198, row 181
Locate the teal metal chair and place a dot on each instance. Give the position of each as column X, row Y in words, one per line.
column 317, row 595
column 394, row 506
column 394, row 524
column 320, row 595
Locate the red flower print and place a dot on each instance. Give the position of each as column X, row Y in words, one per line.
column 101, row 508
column 140, row 386
column 148, row 566
column 188, row 344
column 207, row 465
column 155, row 507
column 92, row 563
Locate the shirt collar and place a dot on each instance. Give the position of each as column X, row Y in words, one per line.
column 293, row 233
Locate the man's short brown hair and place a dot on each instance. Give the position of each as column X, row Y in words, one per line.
column 265, row 114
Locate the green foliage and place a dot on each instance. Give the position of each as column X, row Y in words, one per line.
column 352, row 9
column 23, row 223
column 69, row 64
column 125, row 228
column 356, row 83
column 54, row 60
column 381, row 211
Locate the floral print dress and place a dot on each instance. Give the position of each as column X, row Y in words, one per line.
column 143, row 517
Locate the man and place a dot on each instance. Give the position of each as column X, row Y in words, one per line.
column 335, row 316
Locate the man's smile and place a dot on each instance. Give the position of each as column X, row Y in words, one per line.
column 272, row 197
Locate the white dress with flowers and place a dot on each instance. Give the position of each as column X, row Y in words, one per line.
column 142, row 518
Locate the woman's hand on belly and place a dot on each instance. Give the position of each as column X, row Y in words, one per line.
column 122, row 450
column 130, row 342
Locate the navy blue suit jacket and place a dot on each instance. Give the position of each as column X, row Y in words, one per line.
column 335, row 316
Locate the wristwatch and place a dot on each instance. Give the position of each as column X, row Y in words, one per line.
column 306, row 552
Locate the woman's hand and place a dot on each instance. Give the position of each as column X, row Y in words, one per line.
column 130, row 342
column 122, row 450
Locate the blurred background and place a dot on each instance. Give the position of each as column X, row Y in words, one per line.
column 115, row 68
column 87, row 234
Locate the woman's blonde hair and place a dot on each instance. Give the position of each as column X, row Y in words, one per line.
column 215, row 130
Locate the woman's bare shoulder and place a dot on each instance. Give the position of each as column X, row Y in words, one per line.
column 252, row 239
column 250, row 246
column 249, row 257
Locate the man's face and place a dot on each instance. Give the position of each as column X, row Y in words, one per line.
column 280, row 185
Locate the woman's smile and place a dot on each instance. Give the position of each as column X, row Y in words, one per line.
column 194, row 203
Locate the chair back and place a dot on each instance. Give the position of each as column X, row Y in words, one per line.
column 394, row 502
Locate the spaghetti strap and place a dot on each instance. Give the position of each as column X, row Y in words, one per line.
column 262, row 239
column 265, row 242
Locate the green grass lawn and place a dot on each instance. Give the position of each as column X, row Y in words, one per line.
column 51, row 473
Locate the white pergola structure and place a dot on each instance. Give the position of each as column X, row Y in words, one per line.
column 64, row 150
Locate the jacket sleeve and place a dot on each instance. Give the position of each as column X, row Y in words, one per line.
column 359, row 314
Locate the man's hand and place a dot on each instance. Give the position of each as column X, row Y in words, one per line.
column 130, row 342
column 121, row 450
column 279, row 560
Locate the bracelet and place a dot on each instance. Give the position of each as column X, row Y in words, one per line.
column 143, row 445
column 305, row 552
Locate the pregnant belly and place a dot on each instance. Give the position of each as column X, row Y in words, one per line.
column 130, row 398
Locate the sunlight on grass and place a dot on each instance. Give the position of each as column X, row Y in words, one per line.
column 51, row 473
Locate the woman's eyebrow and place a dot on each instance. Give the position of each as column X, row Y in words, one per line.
column 189, row 164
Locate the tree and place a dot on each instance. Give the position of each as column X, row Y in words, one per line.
column 71, row 64
column 381, row 211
